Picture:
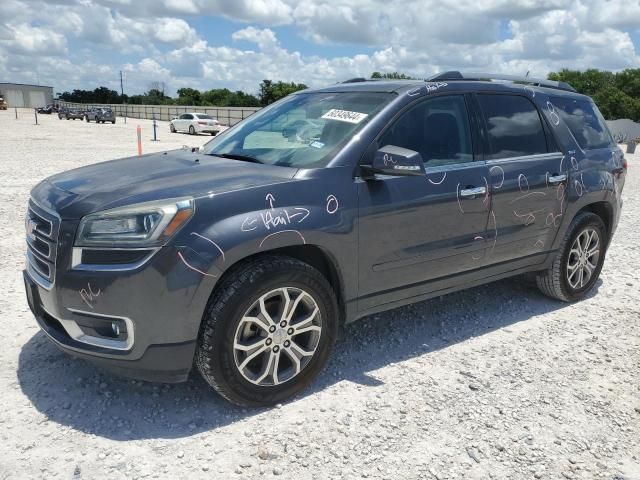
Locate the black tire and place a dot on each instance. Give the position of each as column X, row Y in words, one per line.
column 192, row 131
column 239, row 290
column 87, row 119
column 113, row 122
column 213, row 134
column 172, row 129
column 553, row 282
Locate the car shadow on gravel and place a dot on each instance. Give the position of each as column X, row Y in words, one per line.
column 77, row 394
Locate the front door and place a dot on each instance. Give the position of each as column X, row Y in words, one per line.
column 416, row 229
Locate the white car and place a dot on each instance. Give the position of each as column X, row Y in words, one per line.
column 195, row 123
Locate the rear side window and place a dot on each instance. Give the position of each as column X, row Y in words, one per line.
column 514, row 126
column 585, row 122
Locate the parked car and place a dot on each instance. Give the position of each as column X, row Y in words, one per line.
column 48, row 110
column 247, row 256
column 194, row 123
column 3, row 103
column 70, row 114
column 100, row 115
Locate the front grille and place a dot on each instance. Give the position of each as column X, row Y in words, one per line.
column 42, row 229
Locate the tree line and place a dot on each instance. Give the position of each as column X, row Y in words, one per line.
column 269, row 92
column 617, row 94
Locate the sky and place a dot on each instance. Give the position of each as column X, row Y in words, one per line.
column 237, row 43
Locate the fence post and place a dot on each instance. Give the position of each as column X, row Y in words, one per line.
column 16, row 109
column 35, row 112
column 155, row 139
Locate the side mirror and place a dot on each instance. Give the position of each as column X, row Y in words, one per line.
column 396, row 161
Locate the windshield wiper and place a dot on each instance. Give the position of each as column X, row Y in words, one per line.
column 237, row 156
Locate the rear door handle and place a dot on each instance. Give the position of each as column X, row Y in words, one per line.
column 557, row 178
column 473, row 192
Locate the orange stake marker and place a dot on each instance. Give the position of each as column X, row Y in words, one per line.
column 139, row 130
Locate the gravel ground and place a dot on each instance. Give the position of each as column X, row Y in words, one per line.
column 494, row 382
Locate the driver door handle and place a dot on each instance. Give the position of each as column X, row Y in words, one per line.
column 473, row 192
column 557, row 178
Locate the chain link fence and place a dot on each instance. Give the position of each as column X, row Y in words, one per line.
column 228, row 116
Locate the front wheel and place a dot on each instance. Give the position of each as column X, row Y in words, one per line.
column 87, row 119
column 172, row 129
column 267, row 331
column 579, row 260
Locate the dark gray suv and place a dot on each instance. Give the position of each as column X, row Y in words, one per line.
column 244, row 258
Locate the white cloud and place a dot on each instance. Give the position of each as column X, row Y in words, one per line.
column 84, row 43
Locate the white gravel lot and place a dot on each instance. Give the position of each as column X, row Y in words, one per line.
column 494, row 382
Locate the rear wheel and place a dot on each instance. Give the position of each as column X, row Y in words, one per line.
column 578, row 263
column 267, row 332
column 192, row 131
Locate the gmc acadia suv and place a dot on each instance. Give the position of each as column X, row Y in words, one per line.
column 244, row 258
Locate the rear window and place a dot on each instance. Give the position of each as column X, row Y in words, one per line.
column 513, row 125
column 205, row 117
column 585, row 122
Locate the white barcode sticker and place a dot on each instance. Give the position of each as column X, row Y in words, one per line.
column 345, row 116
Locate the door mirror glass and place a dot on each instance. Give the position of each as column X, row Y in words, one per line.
column 397, row 161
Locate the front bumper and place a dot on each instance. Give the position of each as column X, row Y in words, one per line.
column 169, row 362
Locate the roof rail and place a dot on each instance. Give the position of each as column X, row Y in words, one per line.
column 355, row 80
column 455, row 75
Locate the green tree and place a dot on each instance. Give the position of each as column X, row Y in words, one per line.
column 391, row 76
column 271, row 92
column 629, row 82
column 189, row 96
column 616, row 94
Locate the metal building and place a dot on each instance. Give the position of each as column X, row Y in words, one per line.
column 30, row 96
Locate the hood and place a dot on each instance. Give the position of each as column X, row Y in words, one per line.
column 174, row 174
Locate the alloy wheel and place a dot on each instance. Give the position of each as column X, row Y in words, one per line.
column 583, row 258
column 277, row 336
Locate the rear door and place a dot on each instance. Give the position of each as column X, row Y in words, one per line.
column 528, row 177
column 421, row 228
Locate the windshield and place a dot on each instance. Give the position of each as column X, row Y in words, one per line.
column 303, row 130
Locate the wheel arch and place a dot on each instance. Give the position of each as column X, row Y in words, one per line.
column 313, row 255
column 605, row 211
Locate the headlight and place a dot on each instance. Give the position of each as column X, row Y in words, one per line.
column 145, row 224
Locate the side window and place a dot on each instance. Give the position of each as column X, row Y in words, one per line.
column 585, row 122
column 514, row 126
column 188, row 116
column 437, row 128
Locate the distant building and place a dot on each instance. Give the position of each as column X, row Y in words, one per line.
column 30, row 96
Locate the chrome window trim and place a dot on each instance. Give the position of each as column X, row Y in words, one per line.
column 523, row 158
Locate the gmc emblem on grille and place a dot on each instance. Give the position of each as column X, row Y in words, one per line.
column 31, row 227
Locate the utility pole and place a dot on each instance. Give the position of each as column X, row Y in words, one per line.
column 122, row 94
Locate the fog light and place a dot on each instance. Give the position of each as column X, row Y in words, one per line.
column 115, row 328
